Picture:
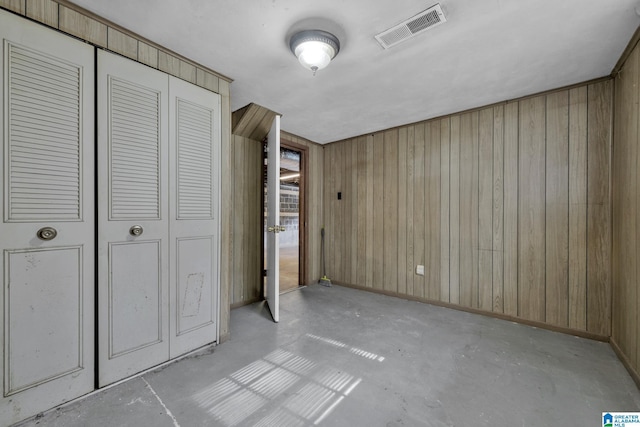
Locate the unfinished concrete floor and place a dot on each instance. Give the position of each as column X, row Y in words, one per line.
column 289, row 277
column 341, row 357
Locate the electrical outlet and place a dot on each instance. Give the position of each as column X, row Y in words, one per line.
column 420, row 270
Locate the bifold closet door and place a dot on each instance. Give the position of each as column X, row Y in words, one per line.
column 47, row 233
column 133, row 222
column 194, row 194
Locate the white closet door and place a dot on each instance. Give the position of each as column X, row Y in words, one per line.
column 46, row 168
column 133, row 244
column 194, row 212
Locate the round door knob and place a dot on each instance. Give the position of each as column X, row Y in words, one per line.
column 136, row 230
column 47, row 233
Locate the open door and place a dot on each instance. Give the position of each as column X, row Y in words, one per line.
column 273, row 217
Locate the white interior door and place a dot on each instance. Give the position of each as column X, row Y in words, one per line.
column 273, row 219
column 48, row 227
column 133, row 224
column 194, row 194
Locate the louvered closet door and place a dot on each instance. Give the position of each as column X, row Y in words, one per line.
column 194, row 211
column 47, row 175
column 133, row 218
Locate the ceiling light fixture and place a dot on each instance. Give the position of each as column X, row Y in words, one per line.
column 314, row 48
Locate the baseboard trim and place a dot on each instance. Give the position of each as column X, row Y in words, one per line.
column 625, row 361
column 243, row 303
column 541, row 325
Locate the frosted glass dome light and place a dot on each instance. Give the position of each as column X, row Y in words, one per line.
column 314, row 48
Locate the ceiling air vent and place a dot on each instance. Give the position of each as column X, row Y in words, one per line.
column 429, row 18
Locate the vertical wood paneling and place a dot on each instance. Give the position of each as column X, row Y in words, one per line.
column 630, row 319
column 169, row 64
column 253, row 285
column 531, row 208
column 329, row 203
column 511, row 156
column 469, row 209
column 498, row 209
column 626, row 322
column 331, row 232
column 390, row 210
column 353, row 199
column 14, row 5
column 369, row 146
column 188, row 72
column 578, row 208
column 327, row 268
column 557, row 209
column 362, row 261
column 45, row 11
column 237, row 154
column 418, row 209
column 315, row 209
column 86, row 28
column 246, row 203
column 432, row 210
column 121, row 43
column 506, row 207
column 203, row 78
column 625, row 207
column 454, row 212
column 411, row 132
column 378, row 210
column 445, row 172
column 149, row 55
column 485, row 209
column 340, row 222
column 346, row 212
column 402, row 211
column 598, row 208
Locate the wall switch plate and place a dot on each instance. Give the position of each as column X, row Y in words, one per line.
column 420, row 270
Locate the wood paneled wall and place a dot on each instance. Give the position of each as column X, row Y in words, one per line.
column 507, row 207
column 247, row 232
column 626, row 215
column 71, row 19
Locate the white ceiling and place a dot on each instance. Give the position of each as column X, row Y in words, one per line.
column 488, row 51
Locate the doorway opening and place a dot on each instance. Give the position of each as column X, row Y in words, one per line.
column 290, row 162
column 292, row 214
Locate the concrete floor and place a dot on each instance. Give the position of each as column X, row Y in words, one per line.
column 289, row 274
column 341, row 357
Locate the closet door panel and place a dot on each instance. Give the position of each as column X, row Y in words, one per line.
column 133, row 244
column 48, row 218
column 194, row 215
column 194, row 292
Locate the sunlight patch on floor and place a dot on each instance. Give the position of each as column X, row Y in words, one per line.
column 292, row 390
column 354, row 350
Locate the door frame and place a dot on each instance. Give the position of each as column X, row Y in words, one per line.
column 303, row 204
column 302, row 208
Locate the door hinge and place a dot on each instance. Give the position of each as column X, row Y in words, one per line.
column 264, row 273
